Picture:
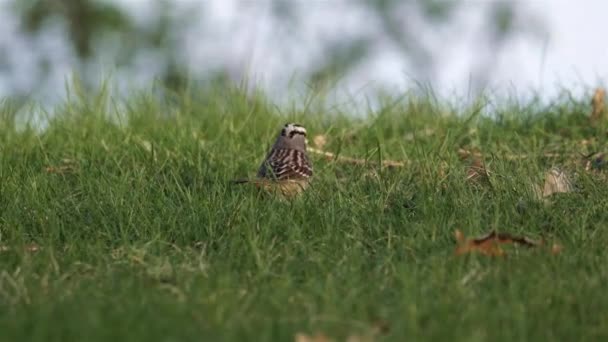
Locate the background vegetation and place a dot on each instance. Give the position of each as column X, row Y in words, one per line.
column 151, row 37
column 118, row 219
column 118, row 222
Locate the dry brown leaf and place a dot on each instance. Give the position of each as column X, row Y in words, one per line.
column 598, row 112
column 490, row 244
column 556, row 181
column 318, row 337
column 486, row 245
column 476, row 172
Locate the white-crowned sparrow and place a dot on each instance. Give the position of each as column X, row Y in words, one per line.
column 286, row 168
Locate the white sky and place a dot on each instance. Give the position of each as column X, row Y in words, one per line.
column 570, row 51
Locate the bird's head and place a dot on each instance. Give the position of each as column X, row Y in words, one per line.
column 293, row 136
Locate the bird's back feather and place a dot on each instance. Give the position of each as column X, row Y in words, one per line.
column 286, row 164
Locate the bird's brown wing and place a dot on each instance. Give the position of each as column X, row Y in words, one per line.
column 286, row 164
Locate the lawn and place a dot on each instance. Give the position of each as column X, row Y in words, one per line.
column 118, row 222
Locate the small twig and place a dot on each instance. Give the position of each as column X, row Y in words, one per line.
column 520, row 156
column 355, row 161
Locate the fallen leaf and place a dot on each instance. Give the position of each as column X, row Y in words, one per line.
column 598, row 112
column 486, row 245
column 556, row 181
column 476, row 171
column 490, row 243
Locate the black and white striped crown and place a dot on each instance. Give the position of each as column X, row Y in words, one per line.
column 291, row 129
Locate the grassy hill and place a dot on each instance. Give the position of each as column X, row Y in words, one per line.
column 118, row 222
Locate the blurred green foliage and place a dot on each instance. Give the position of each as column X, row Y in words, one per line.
column 89, row 24
column 84, row 20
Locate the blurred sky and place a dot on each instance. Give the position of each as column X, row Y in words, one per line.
column 569, row 51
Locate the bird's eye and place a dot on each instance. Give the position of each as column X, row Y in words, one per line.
column 293, row 133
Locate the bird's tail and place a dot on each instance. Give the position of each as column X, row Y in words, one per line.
column 240, row 181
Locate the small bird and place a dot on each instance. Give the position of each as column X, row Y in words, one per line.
column 286, row 170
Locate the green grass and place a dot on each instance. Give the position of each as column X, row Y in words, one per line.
column 146, row 240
